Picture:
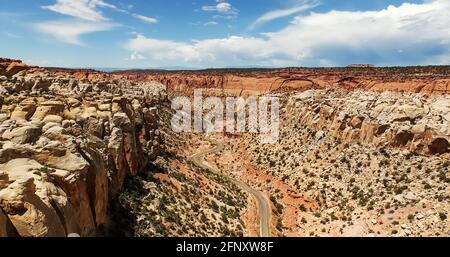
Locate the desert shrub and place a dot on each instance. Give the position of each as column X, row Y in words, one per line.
column 279, row 225
column 399, row 189
column 303, row 208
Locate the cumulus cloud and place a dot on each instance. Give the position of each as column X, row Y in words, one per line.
column 407, row 34
column 136, row 56
column 70, row 31
column 276, row 14
column 163, row 49
column 82, row 9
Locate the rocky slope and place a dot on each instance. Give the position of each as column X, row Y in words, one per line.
column 66, row 146
column 354, row 163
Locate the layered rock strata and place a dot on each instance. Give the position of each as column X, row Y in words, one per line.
column 66, row 146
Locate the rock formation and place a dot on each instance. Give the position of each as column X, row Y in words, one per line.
column 418, row 123
column 362, row 151
column 66, row 146
column 410, row 79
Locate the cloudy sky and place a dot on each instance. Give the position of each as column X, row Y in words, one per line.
column 225, row 33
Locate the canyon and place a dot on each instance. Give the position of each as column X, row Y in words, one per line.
column 363, row 151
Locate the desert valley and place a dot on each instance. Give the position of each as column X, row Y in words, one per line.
column 363, row 151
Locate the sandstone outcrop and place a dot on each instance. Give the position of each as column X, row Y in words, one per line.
column 418, row 123
column 66, row 147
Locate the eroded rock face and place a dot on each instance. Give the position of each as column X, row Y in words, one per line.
column 30, row 201
column 66, row 147
column 412, row 79
column 410, row 121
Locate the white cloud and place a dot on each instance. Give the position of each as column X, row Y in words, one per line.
column 332, row 38
column 82, row 9
column 210, row 23
column 70, row 31
column 146, row 19
column 163, row 49
column 88, row 10
column 87, row 19
column 136, row 56
column 276, row 14
column 221, row 6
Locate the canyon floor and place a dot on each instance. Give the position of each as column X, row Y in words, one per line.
column 361, row 152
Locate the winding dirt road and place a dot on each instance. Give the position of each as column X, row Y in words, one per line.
column 263, row 206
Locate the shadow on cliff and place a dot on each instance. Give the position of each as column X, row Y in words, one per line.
column 122, row 220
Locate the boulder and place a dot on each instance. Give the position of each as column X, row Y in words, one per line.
column 23, row 135
column 48, row 108
column 49, row 125
column 25, row 110
column 52, row 119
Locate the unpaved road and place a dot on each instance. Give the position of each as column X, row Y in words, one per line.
column 263, row 206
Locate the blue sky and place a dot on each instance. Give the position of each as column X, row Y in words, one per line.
column 225, row 33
